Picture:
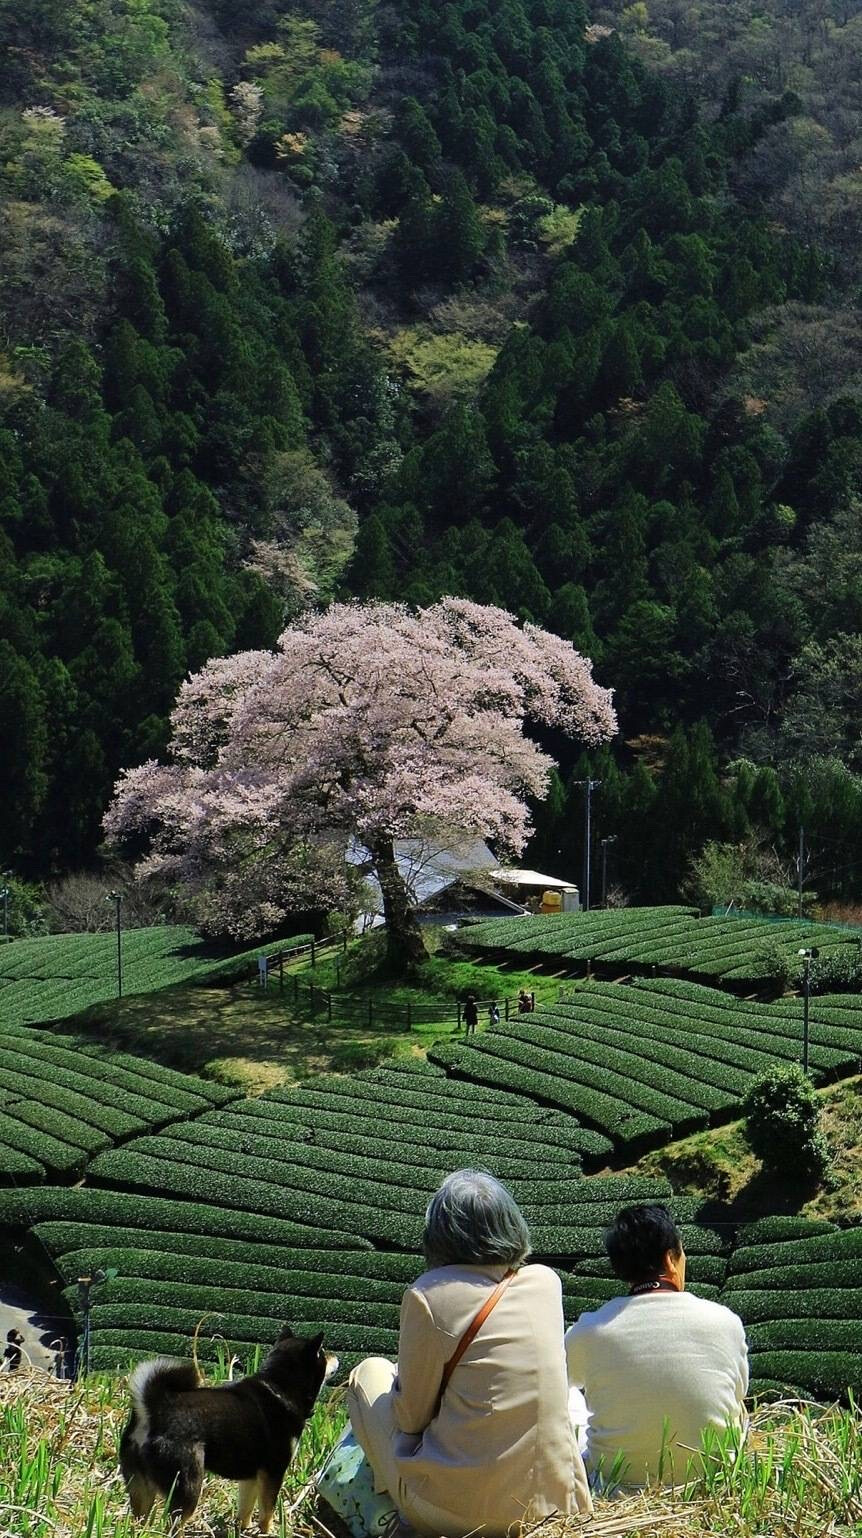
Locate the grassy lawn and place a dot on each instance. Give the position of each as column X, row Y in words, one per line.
column 796, row 1476
column 257, row 1040
column 719, row 1166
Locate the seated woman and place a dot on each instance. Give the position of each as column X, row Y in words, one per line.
column 498, row 1448
column 655, row 1370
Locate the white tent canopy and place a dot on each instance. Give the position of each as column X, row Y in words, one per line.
column 511, row 876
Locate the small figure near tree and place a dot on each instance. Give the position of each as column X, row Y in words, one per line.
column 471, row 1015
column 369, row 723
column 782, row 1124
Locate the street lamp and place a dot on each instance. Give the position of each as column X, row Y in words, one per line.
column 85, row 1288
column 117, row 897
column 6, row 894
column 808, row 954
column 611, row 838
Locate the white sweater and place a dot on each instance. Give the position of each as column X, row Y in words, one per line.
column 656, row 1370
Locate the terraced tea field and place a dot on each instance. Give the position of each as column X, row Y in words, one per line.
column 177, row 1261
column 63, row 1100
column 55, row 976
column 658, row 1059
column 725, row 950
column 799, row 1289
column 306, row 1204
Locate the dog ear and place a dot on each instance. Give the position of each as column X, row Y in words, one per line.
column 285, row 1333
column 316, row 1342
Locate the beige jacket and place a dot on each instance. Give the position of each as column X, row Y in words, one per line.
column 502, row 1449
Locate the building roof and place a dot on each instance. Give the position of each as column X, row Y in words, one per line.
column 511, row 876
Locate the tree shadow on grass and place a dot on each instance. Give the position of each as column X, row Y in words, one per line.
column 241, row 1036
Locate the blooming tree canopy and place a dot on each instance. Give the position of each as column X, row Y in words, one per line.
column 370, row 722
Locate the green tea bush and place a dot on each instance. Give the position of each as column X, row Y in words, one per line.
column 829, row 1373
column 150, row 1211
column 782, row 1129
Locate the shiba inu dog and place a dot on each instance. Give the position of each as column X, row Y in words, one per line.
column 247, row 1431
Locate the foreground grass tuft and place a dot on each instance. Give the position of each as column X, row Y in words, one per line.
column 798, row 1475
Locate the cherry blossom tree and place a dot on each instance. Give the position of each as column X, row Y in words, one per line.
column 368, row 724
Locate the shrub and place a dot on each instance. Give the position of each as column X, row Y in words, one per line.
column 782, row 1124
column 838, row 971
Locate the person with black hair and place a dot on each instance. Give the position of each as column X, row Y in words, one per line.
column 652, row 1371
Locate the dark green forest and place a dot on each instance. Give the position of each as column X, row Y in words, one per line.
column 552, row 309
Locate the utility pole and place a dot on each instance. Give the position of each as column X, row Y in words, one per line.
column 117, row 897
column 589, row 787
column 610, row 839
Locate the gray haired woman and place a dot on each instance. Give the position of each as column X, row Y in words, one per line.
column 496, row 1446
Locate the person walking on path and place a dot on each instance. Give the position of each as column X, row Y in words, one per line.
column 471, row 1015
column 494, row 1014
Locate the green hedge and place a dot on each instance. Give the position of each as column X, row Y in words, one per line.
column 808, row 1335
column 78, row 1104
column 98, row 1087
column 96, row 1066
column 651, row 1085
column 291, row 1279
column 811, row 1303
column 47, row 1151
column 15, row 1166
column 135, row 1171
column 623, row 1124
column 306, row 1313
column 440, row 1152
column 819, row 1249
column 431, row 1100
column 817, row 1372
column 157, row 1214
column 59, row 1124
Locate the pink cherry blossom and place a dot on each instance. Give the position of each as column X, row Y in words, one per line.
column 369, row 722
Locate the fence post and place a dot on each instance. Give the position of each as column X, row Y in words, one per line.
column 459, row 1014
column 281, row 971
column 311, row 987
column 507, row 1009
column 344, row 939
column 329, row 1007
column 313, row 955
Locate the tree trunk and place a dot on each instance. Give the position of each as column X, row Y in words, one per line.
column 405, row 947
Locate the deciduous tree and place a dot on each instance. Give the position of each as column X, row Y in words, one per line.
column 368, row 724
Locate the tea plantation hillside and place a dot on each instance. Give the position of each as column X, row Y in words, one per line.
column 177, row 1261
column 55, row 976
column 306, row 1204
column 657, row 1059
column 729, row 951
column 64, row 1100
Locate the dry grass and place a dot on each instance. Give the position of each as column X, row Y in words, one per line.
column 799, row 1475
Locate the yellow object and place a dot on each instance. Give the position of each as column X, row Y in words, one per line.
column 552, row 902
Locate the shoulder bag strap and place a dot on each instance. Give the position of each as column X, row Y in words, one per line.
column 470, row 1334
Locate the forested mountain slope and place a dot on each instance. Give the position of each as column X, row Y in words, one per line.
column 471, row 286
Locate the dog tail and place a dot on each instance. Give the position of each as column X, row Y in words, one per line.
column 153, row 1382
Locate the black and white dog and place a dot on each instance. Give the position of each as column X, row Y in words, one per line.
column 246, row 1430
